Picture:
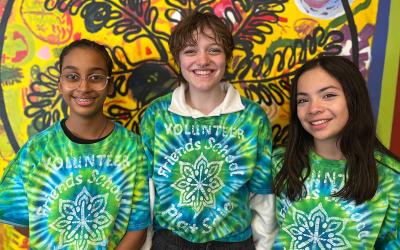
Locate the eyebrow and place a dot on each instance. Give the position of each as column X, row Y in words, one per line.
column 320, row 90
column 194, row 45
column 76, row 68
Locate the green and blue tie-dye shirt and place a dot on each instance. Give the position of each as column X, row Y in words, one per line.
column 320, row 221
column 203, row 169
column 77, row 196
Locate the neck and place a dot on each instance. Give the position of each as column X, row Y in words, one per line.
column 89, row 129
column 205, row 101
column 329, row 150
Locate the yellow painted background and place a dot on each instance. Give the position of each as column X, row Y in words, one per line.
column 268, row 35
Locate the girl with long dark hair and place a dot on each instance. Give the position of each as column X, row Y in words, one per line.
column 337, row 186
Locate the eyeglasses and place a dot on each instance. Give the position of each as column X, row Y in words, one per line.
column 72, row 81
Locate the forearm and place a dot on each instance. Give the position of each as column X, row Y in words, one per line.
column 264, row 225
column 133, row 240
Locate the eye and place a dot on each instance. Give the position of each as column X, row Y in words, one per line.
column 96, row 78
column 329, row 95
column 215, row 51
column 301, row 100
column 72, row 77
column 189, row 51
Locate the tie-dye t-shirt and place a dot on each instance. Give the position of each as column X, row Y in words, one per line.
column 320, row 221
column 77, row 196
column 204, row 168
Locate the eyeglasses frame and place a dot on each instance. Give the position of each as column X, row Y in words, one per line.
column 84, row 78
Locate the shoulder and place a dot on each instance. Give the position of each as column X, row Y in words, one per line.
column 161, row 103
column 52, row 135
column 251, row 105
column 45, row 136
column 254, row 109
column 388, row 173
column 123, row 132
column 387, row 163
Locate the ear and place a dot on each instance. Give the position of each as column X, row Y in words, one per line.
column 110, row 86
column 59, row 85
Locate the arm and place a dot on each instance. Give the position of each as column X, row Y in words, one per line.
column 262, row 200
column 263, row 224
column 140, row 212
column 147, row 131
column 133, row 240
column 389, row 235
column 13, row 199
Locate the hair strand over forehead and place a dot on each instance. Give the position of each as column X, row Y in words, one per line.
column 185, row 33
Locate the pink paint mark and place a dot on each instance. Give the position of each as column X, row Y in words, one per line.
column 19, row 56
column 221, row 6
column 44, row 53
column 269, row 18
column 77, row 36
column 282, row 19
column 316, row 4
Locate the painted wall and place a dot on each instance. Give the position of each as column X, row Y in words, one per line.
column 273, row 38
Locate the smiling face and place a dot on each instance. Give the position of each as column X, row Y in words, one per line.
column 84, row 102
column 321, row 106
column 203, row 64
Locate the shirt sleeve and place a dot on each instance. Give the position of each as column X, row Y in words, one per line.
column 140, row 213
column 263, row 224
column 147, row 133
column 261, row 182
column 13, row 199
column 389, row 235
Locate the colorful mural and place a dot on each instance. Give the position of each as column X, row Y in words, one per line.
column 273, row 38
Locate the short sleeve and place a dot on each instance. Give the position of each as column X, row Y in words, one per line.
column 389, row 235
column 147, row 134
column 261, row 181
column 140, row 213
column 13, row 199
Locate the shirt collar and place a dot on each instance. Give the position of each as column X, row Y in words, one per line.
column 231, row 103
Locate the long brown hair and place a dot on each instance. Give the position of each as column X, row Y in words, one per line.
column 357, row 140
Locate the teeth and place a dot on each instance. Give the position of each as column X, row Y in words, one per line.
column 202, row 72
column 319, row 122
column 83, row 99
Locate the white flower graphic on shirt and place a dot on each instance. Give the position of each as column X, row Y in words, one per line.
column 317, row 230
column 199, row 183
column 82, row 221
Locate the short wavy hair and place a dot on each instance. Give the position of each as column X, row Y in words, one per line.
column 185, row 32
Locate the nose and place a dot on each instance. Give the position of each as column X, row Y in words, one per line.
column 315, row 107
column 83, row 85
column 203, row 59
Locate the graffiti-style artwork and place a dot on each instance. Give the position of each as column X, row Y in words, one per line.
column 272, row 39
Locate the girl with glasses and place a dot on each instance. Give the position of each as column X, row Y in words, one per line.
column 81, row 183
